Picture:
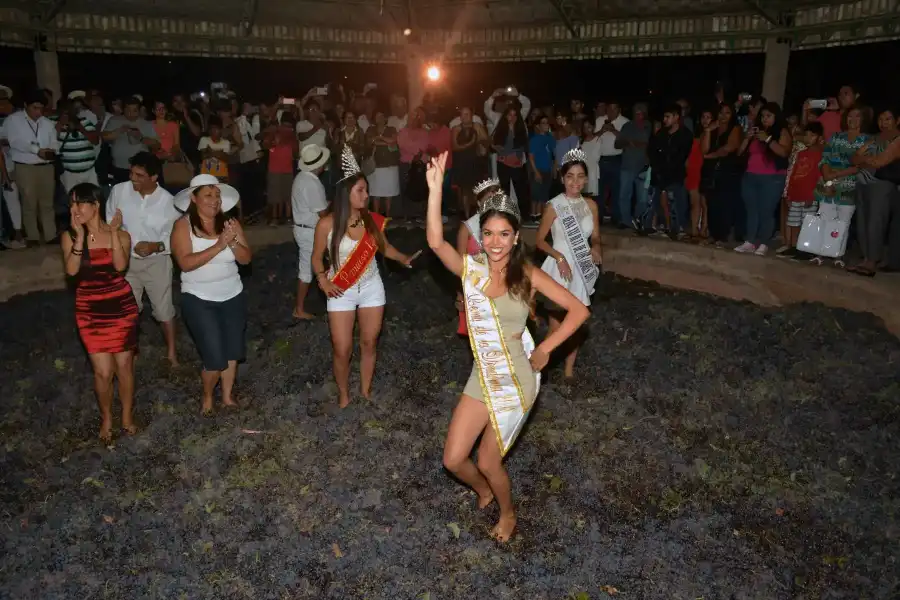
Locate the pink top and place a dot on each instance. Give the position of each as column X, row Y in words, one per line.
column 831, row 123
column 166, row 134
column 441, row 139
column 760, row 163
column 411, row 142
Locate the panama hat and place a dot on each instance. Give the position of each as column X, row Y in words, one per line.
column 6, row 92
column 312, row 157
column 77, row 94
column 230, row 195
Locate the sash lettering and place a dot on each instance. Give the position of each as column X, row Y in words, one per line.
column 578, row 245
column 360, row 257
column 506, row 403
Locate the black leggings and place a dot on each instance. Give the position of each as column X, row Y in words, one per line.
column 725, row 206
column 519, row 178
column 218, row 329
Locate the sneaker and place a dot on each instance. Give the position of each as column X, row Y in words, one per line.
column 788, row 253
column 746, row 248
column 801, row 256
column 761, row 250
column 13, row 244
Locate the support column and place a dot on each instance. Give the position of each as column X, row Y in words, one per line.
column 415, row 77
column 778, row 55
column 47, row 65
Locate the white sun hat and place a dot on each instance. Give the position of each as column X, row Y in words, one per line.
column 230, row 195
column 6, row 91
column 312, row 157
column 76, row 94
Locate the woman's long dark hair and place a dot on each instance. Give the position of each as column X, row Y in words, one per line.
column 340, row 215
column 518, row 283
column 194, row 216
column 520, row 133
column 733, row 121
column 778, row 125
column 85, row 193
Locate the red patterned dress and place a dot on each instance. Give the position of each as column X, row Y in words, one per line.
column 105, row 309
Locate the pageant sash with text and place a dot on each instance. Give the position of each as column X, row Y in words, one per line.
column 577, row 242
column 506, row 403
column 360, row 257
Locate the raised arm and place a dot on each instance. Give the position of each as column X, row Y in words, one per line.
column 434, row 228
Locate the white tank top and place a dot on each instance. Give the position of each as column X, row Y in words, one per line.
column 216, row 281
column 344, row 250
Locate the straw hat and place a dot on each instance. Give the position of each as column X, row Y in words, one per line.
column 77, row 94
column 5, row 92
column 230, row 196
column 312, row 157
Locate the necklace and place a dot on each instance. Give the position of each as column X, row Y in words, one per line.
column 91, row 235
column 357, row 222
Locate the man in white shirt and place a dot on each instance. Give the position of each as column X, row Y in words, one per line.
column 399, row 113
column 148, row 214
column 308, row 204
column 608, row 127
column 32, row 148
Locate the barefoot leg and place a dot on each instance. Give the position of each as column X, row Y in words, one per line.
column 470, row 418
column 125, row 374
column 104, row 368
column 341, row 324
column 370, row 320
column 490, row 463
column 228, row 377
column 209, row 379
column 168, row 328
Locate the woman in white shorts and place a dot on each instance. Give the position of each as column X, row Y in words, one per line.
column 350, row 236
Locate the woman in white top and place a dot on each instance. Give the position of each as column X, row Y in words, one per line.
column 350, row 236
column 562, row 262
column 208, row 248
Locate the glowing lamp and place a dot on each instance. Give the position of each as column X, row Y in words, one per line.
column 433, row 73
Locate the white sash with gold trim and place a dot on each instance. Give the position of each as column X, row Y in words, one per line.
column 507, row 404
column 578, row 245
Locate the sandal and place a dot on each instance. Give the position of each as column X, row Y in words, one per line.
column 839, row 264
column 817, row 260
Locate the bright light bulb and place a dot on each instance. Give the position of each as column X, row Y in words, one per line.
column 433, row 73
column 407, row 31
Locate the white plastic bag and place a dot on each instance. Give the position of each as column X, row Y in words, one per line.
column 823, row 236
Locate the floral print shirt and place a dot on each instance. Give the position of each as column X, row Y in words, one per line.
column 836, row 155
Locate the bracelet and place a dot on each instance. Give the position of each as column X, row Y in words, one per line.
column 77, row 252
column 561, row 259
column 768, row 140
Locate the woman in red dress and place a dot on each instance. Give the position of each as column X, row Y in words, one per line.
column 97, row 254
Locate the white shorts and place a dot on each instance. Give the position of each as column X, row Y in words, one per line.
column 368, row 294
column 304, row 237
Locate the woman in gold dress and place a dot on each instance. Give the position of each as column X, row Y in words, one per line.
column 499, row 291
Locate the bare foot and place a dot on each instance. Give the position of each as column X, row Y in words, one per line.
column 344, row 402
column 173, row 361
column 504, row 528
column 207, row 408
column 484, row 500
column 302, row 315
column 129, row 429
column 106, row 432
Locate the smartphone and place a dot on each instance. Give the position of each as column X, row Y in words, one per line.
column 322, row 91
column 746, row 97
column 820, row 103
column 509, row 89
column 289, row 101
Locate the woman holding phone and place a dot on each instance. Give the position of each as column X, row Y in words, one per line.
column 350, row 236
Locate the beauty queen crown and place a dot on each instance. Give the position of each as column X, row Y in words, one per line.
column 574, row 155
column 500, row 202
column 480, row 187
column 349, row 166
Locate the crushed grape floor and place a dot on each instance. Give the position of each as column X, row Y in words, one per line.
column 708, row 449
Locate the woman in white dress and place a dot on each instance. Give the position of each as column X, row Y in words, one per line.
column 591, row 147
column 384, row 182
column 578, row 239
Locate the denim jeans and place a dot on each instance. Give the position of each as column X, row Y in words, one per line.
column 679, row 207
column 761, row 194
column 610, row 176
column 631, row 184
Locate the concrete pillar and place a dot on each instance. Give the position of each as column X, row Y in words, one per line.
column 775, row 74
column 415, row 77
column 47, row 65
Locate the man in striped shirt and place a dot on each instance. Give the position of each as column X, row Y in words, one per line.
column 78, row 139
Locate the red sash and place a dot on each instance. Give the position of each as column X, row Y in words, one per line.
column 360, row 257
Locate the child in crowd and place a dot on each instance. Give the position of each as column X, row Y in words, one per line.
column 215, row 150
column 803, row 174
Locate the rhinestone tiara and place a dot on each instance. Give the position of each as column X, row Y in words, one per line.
column 500, row 202
column 574, row 155
column 480, row 187
column 349, row 166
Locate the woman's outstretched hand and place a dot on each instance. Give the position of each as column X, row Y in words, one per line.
column 435, row 173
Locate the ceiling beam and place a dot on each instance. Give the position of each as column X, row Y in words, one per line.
column 46, row 16
column 567, row 13
column 760, row 9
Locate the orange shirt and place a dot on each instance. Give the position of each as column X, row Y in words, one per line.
column 166, row 133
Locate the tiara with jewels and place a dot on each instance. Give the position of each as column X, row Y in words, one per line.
column 487, row 183
column 574, row 155
column 349, row 166
column 500, row 202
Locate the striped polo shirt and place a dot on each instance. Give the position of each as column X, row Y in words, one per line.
column 76, row 151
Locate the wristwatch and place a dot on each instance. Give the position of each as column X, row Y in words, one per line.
column 160, row 246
